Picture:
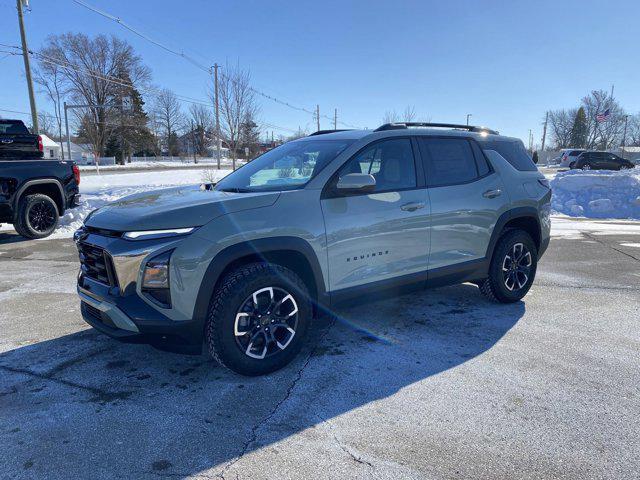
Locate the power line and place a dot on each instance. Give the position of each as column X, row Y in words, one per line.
column 119, row 21
column 197, row 64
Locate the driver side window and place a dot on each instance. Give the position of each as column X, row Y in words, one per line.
column 390, row 162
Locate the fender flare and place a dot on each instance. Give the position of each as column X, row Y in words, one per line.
column 40, row 181
column 255, row 247
column 518, row 212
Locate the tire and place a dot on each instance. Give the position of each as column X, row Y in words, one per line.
column 586, row 166
column 37, row 216
column 234, row 310
column 511, row 285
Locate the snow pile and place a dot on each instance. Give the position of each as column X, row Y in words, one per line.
column 597, row 193
column 98, row 190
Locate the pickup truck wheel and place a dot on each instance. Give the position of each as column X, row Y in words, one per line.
column 512, row 269
column 37, row 216
column 258, row 319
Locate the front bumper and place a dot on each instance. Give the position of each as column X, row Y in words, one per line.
column 116, row 308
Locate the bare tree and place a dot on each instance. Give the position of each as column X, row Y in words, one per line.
column 169, row 116
column 390, row 116
column 607, row 134
column 46, row 124
column 561, row 125
column 633, row 131
column 51, row 78
column 409, row 114
column 90, row 69
column 202, row 127
column 237, row 103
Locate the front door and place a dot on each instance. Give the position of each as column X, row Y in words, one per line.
column 384, row 234
column 466, row 197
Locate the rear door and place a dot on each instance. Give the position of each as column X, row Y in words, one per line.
column 466, row 197
column 384, row 234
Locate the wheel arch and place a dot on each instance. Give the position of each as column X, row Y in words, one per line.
column 522, row 218
column 46, row 186
column 292, row 252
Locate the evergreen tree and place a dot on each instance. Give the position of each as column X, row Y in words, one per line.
column 580, row 130
column 130, row 134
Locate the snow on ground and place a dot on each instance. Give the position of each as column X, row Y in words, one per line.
column 597, row 193
column 97, row 190
column 164, row 164
column 576, row 228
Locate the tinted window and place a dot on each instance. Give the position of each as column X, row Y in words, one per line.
column 513, row 152
column 390, row 162
column 13, row 127
column 449, row 161
column 575, row 153
column 481, row 161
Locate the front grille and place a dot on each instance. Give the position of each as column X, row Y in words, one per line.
column 96, row 264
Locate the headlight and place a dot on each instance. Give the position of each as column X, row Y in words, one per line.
column 152, row 234
column 155, row 279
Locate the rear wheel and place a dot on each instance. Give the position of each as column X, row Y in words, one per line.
column 258, row 319
column 512, row 269
column 37, row 216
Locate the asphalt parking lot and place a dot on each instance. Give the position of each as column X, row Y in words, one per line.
column 439, row 384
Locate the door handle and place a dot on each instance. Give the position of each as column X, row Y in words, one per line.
column 412, row 207
column 492, row 193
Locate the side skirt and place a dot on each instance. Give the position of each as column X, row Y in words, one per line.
column 438, row 277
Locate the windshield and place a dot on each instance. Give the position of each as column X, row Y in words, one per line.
column 286, row 167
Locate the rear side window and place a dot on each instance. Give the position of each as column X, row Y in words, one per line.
column 13, row 127
column 575, row 153
column 513, row 152
column 449, row 161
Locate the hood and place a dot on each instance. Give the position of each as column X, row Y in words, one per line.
column 169, row 208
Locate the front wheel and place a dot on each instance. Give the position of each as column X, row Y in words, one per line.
column 512, row 269
column 258, row 319
column 586, row 166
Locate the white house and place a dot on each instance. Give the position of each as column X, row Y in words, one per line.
column 51, row 148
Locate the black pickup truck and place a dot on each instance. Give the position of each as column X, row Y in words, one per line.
column 34, row 193
column 17, row 142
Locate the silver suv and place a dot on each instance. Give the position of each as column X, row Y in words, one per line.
column 244, row 265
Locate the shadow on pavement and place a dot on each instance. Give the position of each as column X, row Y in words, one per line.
column 11, row 237
column 84, row 405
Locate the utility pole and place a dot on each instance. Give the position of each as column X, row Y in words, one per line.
column 335, row 118
column 530, row 141
column 318, row 116
column 193, row 142
column 27, row 68
column 66, row 124
column 624, row 135
column 469, row 115
column 544, row 130
column 215, row 83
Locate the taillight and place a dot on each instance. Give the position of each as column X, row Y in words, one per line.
column 76, row 173
column 40, row 147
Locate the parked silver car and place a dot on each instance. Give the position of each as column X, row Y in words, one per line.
column 245, row 265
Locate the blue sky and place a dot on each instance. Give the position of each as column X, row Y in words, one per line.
column 506, row 62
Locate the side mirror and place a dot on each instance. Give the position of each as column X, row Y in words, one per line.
column 356, row 183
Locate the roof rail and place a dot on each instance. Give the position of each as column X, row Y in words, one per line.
column 324, row 132
column 405, row 125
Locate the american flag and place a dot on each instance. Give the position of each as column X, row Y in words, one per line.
column 603, row 117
